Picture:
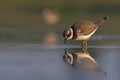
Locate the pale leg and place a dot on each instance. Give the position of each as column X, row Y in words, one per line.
column 84, row 45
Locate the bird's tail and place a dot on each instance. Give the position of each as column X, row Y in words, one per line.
column 101, row 70
column 101, row 20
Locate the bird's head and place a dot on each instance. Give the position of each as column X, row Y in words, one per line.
column 68, row 58
column 68, row 34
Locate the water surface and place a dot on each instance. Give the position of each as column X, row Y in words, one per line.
column 45, row 62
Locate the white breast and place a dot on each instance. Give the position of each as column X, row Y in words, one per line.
column 84, row 37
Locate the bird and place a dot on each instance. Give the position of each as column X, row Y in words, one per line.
column 83, row 30
column 82, row 61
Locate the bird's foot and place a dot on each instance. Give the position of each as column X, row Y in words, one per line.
column 84, row 45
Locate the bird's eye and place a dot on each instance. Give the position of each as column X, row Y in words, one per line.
column 68, row 32
column 66, row 56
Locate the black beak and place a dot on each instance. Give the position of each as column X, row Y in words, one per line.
column 65, row 44
column 65, row 41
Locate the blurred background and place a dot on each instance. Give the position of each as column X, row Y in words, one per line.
column 32, row 21
column 31, row 43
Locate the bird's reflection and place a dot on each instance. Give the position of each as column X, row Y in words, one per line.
column 82, row 60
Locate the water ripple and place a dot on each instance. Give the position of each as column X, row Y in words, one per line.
column 44, row 47
column 105, row 37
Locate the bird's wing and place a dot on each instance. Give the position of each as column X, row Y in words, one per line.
column 85, row 27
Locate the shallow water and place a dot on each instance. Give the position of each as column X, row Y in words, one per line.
column 45, row 62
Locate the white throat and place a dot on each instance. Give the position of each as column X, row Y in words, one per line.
column 71, row 36
column 71, row 58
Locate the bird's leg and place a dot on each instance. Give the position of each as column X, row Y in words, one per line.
column 84, row 45
column 65, row 47
column 64, row 41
